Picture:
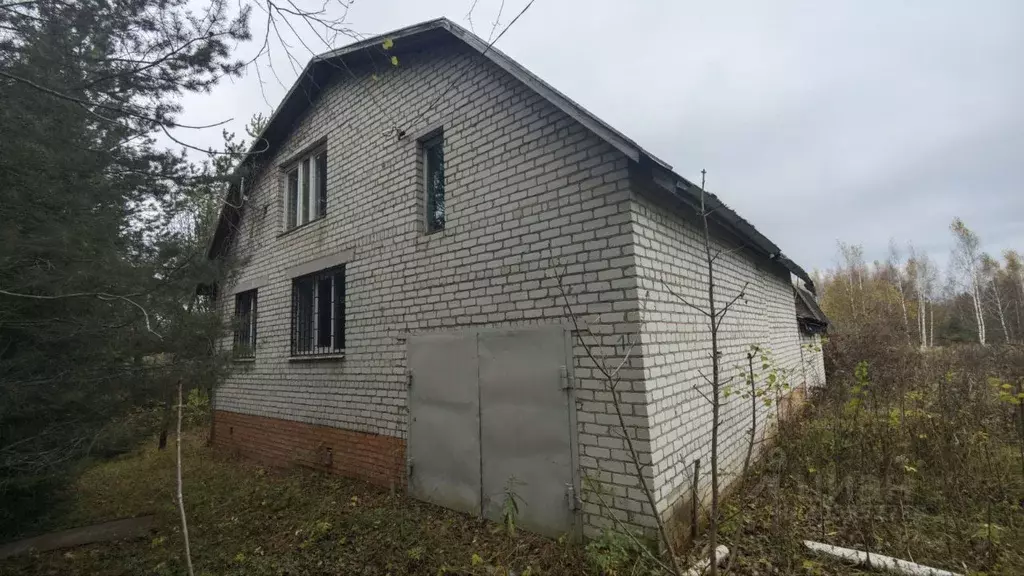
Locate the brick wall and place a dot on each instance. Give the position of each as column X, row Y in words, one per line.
column 813, row 359
column 529, row 193
column 282, row 443
column 676, row 340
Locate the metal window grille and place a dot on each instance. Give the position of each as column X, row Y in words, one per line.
column 433, row 165
column 245, row 324
column 318, row 313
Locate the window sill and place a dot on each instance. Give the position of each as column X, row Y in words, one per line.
column 435, row 234
column 307, row 226
column 244, row 360
column 317, row 357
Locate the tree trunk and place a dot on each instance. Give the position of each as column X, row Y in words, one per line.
column 922, row 323
column 753, row 413
column 1017, row 323
column 903, row 306
column 853, row 301
column 999, row 310
column 1020, row 304
column 863, row 300
column 978, row 314
column 715, row 399
column 181, row 498
column 931, row 328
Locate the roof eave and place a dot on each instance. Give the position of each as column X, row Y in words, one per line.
column 721, row 214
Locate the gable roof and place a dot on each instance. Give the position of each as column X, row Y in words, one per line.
column 316, row 73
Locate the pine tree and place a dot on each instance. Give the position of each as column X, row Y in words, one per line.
column 103, row 242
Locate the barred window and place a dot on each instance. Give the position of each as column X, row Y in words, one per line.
column 433, row 167
column 307, row 189
column 245, row 325
column 318, row 313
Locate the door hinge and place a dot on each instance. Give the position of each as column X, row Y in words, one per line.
column 570, row 497
column 564, row 378
column 408, row 378
column 408, row 467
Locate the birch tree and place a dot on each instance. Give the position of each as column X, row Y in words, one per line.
column 966, row 268
column 853, row 262
column 991, row 276
column 923, row 275
column 895, row 274
column 1015, row 279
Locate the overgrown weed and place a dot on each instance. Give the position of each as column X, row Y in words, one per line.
column 913, row 454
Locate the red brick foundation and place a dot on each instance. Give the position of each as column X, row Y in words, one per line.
column 283, row 443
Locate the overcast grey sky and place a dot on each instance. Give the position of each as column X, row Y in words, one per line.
column 817, row 121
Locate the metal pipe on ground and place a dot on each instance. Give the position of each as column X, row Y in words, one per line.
column 698, row 569
column 876, row 561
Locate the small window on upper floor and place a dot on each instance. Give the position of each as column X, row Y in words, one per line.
column 306, row 192
column 245, row 324
column 433, row 172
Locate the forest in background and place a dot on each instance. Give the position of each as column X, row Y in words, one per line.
column 976, row 297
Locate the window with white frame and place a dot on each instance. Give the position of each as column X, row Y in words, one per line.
column 318, row 313
column 245, row 324
column 306, row 191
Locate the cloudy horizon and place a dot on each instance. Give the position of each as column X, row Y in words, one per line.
column 853, row 121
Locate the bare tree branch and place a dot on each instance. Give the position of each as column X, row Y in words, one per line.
column 685, row 301
column 611, row 383
column 465, row 67
column 727, row 252
column 622, row 527
column 99, row 295
column 497, row 20
column 725, row 309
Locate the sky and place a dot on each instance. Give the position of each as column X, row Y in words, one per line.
column 855, row 121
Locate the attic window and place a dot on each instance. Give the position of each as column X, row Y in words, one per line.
column 306, row 192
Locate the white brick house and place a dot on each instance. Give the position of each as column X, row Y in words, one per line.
column 402, row 231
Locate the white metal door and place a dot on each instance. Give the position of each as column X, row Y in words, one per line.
column 490, row 414
column 444, row 421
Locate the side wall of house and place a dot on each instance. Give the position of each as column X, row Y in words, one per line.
column 530, row 194
column 671, row 265
column 813, row 359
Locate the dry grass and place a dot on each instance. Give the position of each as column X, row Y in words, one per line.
column 914, row 455
column 910, row 455
column 245, row 519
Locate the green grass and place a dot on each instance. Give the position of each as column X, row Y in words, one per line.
column 244, row 519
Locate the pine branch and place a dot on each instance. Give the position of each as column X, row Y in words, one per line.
column 118, row 109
